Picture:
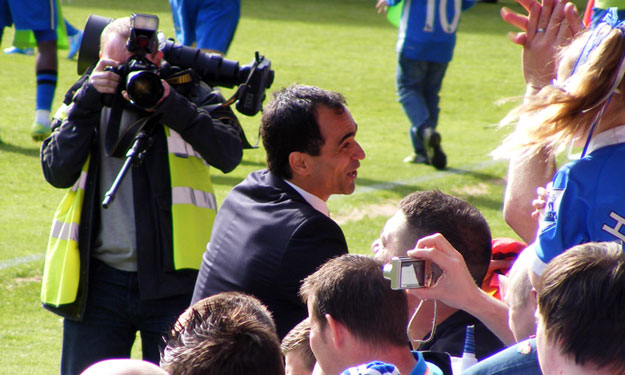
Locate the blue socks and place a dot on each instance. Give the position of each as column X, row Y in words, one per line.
column 46, row 86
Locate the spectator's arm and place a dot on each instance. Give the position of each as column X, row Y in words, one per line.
column 525, row 175
column 547, row 26
column 456, row 288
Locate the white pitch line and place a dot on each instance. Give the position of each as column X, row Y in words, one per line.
column 20, row 260
column 359, row 190
column 419, row 179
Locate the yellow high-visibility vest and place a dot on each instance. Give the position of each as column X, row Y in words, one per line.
column 61, row 272
column 193, row 211
column 194, row 206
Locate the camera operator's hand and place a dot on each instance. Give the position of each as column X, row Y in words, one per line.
column 103, row 80
column 456, row 287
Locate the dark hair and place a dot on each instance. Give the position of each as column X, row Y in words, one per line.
column 297, row 340
column 581, row 300
column 429, row 212
column 225, row 334
column 289, row 124
column 352, row 289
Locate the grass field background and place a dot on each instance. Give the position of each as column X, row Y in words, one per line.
column 338, row 45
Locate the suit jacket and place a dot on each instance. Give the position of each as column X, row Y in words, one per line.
column 266, row 239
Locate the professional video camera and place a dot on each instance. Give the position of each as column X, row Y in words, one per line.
column 141, row 79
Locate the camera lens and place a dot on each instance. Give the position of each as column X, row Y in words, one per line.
column 144, row 88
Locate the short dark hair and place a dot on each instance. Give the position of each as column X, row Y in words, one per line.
column 352, row 289
column 297, row 340
column 581, row 300
column 226, row 334
column 289, row 124
column 461, row 223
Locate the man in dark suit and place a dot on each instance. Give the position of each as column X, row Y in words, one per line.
column 274, row 229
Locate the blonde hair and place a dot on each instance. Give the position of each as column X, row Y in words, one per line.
column 559, row 112
column 119, row 26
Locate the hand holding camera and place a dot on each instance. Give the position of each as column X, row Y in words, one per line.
column 455, row 287
column 104, row 80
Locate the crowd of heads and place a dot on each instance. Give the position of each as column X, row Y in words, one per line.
column 579, row 297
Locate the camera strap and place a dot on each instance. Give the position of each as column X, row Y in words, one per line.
column 236, row 96
column 432, row 332
column 180, row 78
column 117, row 143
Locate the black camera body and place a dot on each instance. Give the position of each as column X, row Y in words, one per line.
column 253, row 79
column 140, row 76
column 141, row 79
column 260, row 77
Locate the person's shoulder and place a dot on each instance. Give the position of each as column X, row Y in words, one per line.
column 259, row 178
column 263, row 186
column 318, row 221
column 607, row 155
column 575, row 171
column 602, row 163
column 263, row 191
column 453, row 331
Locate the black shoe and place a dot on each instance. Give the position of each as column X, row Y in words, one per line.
column 432, row 143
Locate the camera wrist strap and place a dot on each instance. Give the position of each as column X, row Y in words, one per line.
column 432, row 332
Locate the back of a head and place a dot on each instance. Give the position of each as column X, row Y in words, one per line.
column 124, row 367
column 581, row 300
column 516, row 290
column 289, row 123
column 297, row 341
column 352, row 289
column 226, row 334
column 461, row 223
column 518, row 286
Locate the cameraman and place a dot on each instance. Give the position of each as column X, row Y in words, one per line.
column 136, row 262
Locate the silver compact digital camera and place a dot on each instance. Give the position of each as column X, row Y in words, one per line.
column 408, row 273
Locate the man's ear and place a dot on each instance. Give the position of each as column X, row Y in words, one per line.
column 298, row 161
column 533, row 298
column 338, row 332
